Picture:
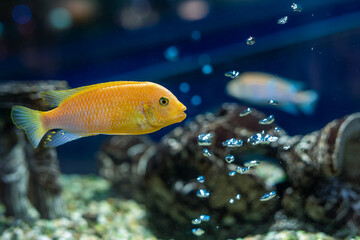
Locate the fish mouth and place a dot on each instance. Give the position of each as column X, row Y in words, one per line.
column 181, row 116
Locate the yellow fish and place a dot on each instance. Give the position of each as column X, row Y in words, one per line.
column 258, row 88
column 116, row 108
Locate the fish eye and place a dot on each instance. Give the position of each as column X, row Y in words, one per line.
column 164, row 101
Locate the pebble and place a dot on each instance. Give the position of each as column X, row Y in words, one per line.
column 268, row 196
column 205, row 139
column 247, row 111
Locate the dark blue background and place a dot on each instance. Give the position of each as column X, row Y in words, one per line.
column 319, row 46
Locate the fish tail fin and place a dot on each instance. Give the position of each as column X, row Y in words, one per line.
column 306, row 101
column 30, row 121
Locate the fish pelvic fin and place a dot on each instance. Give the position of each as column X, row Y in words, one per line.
column 306, row 100
column 30, row 121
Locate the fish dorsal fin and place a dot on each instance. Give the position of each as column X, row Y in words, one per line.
column 54, row 98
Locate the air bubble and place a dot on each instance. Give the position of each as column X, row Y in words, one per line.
column 232, row 74
column 201, row 179
column 202, row 193
column 205, row 218
column 273, row 102
column 232, row 173
column 269, row 120
column 251, row 163
column 286, row 147
column 247, row 111
column 242, row 170
column 205, row 139
column 296, row 7
column 229, row 158
column 171, row 53
column 250, row 40
column 206, row 152
column 283, row 20
column 231, row 201
column 233, row 143
column 238, row 196
column 197, row 231
column 268, row 196
column 196, row 221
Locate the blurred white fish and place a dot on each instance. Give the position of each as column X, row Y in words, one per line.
column 258, row 88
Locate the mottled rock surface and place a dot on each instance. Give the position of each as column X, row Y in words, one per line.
column 315, row 189
column 20, row 164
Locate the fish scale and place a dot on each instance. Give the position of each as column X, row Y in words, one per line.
column 105, row 108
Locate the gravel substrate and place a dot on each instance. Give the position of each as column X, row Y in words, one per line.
column 95, row 213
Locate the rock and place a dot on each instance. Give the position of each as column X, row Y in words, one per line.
column 321, row 168
column 21, row 165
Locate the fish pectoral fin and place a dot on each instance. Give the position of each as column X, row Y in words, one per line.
column 59, row 137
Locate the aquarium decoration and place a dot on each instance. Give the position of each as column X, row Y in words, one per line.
column 323, row 160
column 28, row 177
